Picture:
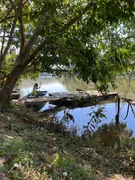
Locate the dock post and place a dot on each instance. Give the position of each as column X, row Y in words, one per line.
column 118, row 111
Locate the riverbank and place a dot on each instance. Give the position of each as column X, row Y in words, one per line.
column 32, row 147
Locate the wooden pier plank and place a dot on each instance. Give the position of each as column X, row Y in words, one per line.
column 63, row 98
column 133, row 103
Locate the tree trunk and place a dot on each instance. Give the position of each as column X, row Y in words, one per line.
column 5, row 93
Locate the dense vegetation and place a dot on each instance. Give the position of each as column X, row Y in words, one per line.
column 56, row 35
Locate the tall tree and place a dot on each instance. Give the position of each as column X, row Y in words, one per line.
column 40, row 34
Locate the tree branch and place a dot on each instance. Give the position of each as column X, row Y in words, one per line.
column 3, row 41
column 13, row 5
column 25, row 2
column 27, row 57
column 21, row 28
column 9, row 42
column 61, row 31
column 28, row 47
column 74, row 19
column 6, row 15
column 31, row 70
column 11, row 17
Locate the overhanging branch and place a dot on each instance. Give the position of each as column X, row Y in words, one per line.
column 61, row 31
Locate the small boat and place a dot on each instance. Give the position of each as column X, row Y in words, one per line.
column 39, row 94
column 36, row 106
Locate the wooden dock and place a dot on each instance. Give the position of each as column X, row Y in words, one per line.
column 70, row 98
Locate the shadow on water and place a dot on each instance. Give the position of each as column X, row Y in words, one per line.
column 100, row 130
column 111, row 135
column 80, row 119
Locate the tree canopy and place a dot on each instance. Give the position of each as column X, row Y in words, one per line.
column 86, row 37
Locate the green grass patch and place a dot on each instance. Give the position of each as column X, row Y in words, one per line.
column 30, row 151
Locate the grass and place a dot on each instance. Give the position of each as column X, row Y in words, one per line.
column 32, row 149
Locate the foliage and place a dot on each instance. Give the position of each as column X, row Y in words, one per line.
column 66, row 164
column 96, row 117
column 67, row 117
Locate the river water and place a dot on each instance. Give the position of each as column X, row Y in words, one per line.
column 125, row 88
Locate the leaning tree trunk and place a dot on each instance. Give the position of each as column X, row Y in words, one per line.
column 5, row 93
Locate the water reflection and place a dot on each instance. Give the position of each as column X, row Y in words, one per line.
column 111, row 135
column 73, row 83
column 81, row 117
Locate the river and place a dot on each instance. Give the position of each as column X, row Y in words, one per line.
column 66, row 84
column 81, row 117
